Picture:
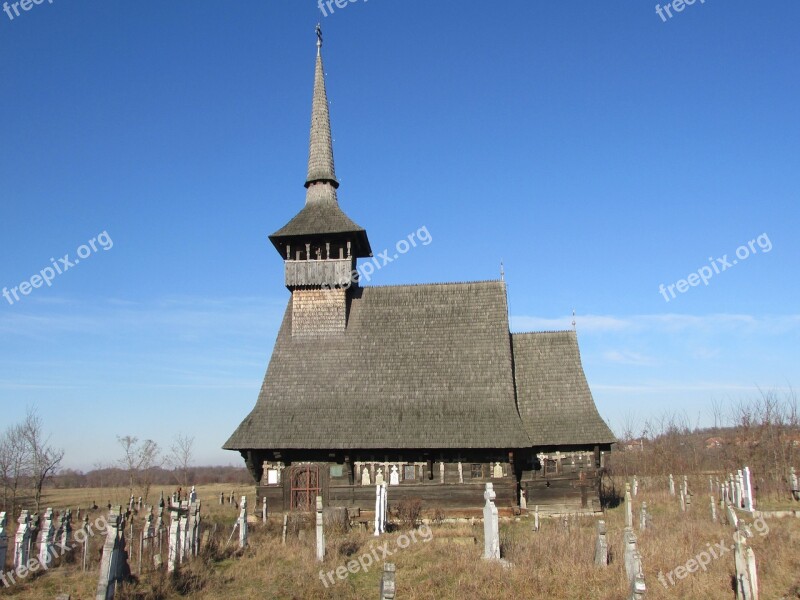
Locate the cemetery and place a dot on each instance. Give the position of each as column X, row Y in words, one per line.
column 650, row 545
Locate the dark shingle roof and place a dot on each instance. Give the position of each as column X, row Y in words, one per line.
column 424, row 366
column 320, row 216
column 553, row 396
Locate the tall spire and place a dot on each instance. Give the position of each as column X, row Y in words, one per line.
column 320, row 229
column 320, row 148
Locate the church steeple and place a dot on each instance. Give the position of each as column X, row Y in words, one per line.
column 321, row 231
column 320, row 147
column 320, row 245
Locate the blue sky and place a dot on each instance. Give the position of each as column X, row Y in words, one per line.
column 596, row 150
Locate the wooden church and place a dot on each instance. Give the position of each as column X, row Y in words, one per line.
column 419, row 386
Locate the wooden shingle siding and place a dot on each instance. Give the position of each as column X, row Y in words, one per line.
column 318, row 312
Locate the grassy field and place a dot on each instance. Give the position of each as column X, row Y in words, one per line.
column 445, row 561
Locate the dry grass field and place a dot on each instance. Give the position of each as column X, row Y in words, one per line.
column 552, row 563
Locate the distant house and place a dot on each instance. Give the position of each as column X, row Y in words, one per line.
column 714, row 442
column 634, row 445
column 419, row 386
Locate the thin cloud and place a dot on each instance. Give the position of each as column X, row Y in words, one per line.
column 666, row 323
column 624, row 357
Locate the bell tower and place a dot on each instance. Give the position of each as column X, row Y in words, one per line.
column 320, row 245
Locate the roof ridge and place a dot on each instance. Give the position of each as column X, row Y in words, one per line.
column 434, row 284
column 541, row 331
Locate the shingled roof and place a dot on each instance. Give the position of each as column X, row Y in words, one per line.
column 321, row 216
column 422, row 366
column 553, row 397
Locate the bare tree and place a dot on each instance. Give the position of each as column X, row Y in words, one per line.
column 182, row 457
column 44, row 460
column 14, row 466
column 139, row 460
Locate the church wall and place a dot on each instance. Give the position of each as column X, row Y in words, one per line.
column 319, row 312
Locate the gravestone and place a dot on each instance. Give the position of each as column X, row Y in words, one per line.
column 643, row 517
column 713, row 510
column 193, row 495
column 628, row 506
column 683, row 502
column 388, row 583
column 749, row 501
column 221, row 498
column 685, row 485
column 114, row 564
column 149, row 531
column 536, row 519
column 160, row 522
column 688, row 501
column 243, row 523
column 752, row 572
column 739, row 489
column 745, row 565
column 394, row 476
column 365, row 479
column 47, row 538
column 85, row 530
column 189, row 537
column 3, row 541
column 491, row 525
column 498, row 471
column 264, row 510
column 794, row 485
column 65, row 532
column 635, row 486
column 633, row 566
column 381, row 504
column 523, row 501
column 460, row 473
column 441, row 472
column 379, row 477
column 184, row 531
column 285, row 526
column 320, row 532
column 22, row 541
column 385, row 508
column 174, row 552
column 733, row 520
column 601, row 546
column 671, row 485
column 196, row 520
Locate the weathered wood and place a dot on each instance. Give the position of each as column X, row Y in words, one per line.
column 333, row 272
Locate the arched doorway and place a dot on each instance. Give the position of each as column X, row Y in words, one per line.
column 305, row 487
